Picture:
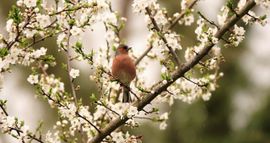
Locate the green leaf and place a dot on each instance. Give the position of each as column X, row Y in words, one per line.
column 3, row 52
column 71, row 22
column 39, row 2
column 78, row 45
column 48, row 58
column 263, row 17
column 229, row 4
column 15, row 14
column 93, row 98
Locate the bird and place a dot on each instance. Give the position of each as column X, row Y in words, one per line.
column 123, row 70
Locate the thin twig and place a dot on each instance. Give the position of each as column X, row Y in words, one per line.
column 209, row 21
column 102, row 104
column 143, row 55
column 3, row 109
column 196, row 83
column 174, row 55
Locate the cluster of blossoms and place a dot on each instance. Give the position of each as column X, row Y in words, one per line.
column 15, row 127
column 12, row 126
column 265, row 3
column 21, row 56
column 32, row 21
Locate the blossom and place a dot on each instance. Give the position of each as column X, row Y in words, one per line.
column 140, row 5
column 29, row 33
column 188, row 19
column 163, row 125
column 224, row 14
column 30, row 3
column 173, row 40
column 43, row 20
column 132, row 111
column 118, row 137
column 164, row 116
column 238, row 35
column 75, row 30
column 74, row 73
column 41, row 52
column 33, row 79
column 9, row 25
column 241, row 4
column 265, row 3
column 160, row 18
column 184, row 4
column 19, row 2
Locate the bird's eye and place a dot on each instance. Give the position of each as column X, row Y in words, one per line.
column 126, row 47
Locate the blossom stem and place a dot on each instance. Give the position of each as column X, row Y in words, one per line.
column 69, row 69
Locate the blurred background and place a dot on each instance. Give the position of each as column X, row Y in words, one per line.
column 238, row 111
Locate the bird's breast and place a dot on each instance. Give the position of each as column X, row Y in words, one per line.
column 123, row 69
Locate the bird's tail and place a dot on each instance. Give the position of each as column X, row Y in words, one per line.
column 126, row 95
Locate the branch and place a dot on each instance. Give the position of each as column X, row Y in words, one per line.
column 179, row 73
column 3, row 109
column 69, row 69
column 143, row 55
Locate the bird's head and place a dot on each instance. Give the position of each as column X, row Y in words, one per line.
column 122, row 49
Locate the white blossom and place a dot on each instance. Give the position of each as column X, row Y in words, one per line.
column 188, row 19
column 30, row 3
column 223, row 16
column 74, row 73
column 40, row 52
column 118, row 137
column 140, row 5
column 241, row 4
column 163, row 125
column 160, row 18
column 75, row 31
column 173, row 40
column 19, row 2
column 238, row 35
column 164, row 116
column 33, row 79
column 10, row 25
column 265, row 3
column 29, row 33
column 132, row 111
column 184, row 4
column 43, row 20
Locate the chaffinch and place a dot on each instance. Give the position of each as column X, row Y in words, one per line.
column 123, row 70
